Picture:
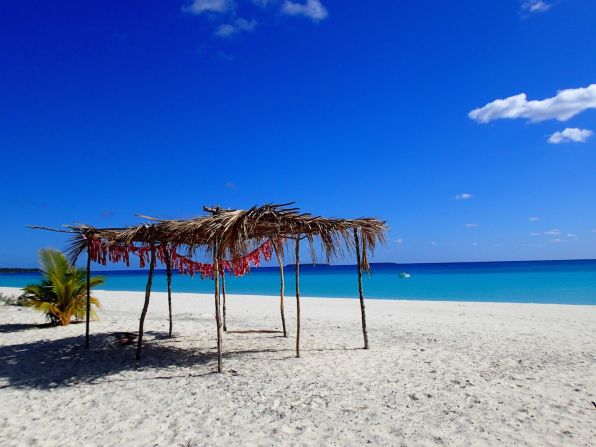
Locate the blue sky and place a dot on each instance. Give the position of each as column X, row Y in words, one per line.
column 348, row 108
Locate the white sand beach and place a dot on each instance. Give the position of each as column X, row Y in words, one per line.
column 437, row 373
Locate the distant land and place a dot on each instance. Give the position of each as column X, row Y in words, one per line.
column 19, row 270
column 322, row 266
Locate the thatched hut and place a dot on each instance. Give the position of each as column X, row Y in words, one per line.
column 230, row 233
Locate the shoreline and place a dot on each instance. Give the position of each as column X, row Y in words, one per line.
column 553, row 282
column 16, row 291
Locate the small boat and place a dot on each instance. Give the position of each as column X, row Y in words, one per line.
column 404, row 275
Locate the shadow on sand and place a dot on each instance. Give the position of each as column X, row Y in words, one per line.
column 17, row 327
column 48, row 364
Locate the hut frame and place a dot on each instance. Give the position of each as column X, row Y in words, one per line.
column 232, row 233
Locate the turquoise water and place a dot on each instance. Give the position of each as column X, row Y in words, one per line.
column 564, row 282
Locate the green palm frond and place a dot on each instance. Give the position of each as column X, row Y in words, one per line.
column 53, row 263
column 62, row 294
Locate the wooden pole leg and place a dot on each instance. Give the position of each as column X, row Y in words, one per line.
column 281, row 289
column 360, row 289
column 169, row 279
column 217, row 308
column 298, row 296
column 88, row 302
column 146, row 305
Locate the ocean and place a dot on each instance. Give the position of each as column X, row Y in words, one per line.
column 563, row 282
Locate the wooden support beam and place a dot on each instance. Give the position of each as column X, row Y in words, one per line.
column 217, row 310
column 360, row 290
column 88, row 302
column 298, row 297
column 146, row 305
column 169, row 279
column 281, row 288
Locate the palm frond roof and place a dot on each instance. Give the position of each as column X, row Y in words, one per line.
column 233, row 232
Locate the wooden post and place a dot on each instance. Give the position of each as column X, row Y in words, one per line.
column 217, row 310
column 223, row 292
column 360, row 291
column 169, row 279
column 146, row 305
column 88, row 303
column 281, row 289
column 298, row 296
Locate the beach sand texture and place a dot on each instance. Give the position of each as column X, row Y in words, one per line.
column 437, row 373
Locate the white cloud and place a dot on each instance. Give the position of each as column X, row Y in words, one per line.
column 313, row 9
column 463, row 196
column 474, row 244
column 223, row 14
column 571, row 134
column 553, row 232
column 433, row 243
column 535, row 6
column 399, row 241
column 263, row 3
column 237, row 26
column 533, row 218
column 225, row 30
column 201, row 6
column 471, row 225
column 560, row 238
column 563, row 106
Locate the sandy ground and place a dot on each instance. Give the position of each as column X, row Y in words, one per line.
column 437, row 373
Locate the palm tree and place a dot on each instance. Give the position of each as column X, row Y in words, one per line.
column 63, row 290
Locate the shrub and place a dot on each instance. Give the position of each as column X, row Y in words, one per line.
column 63, row 290
column 12, row 300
